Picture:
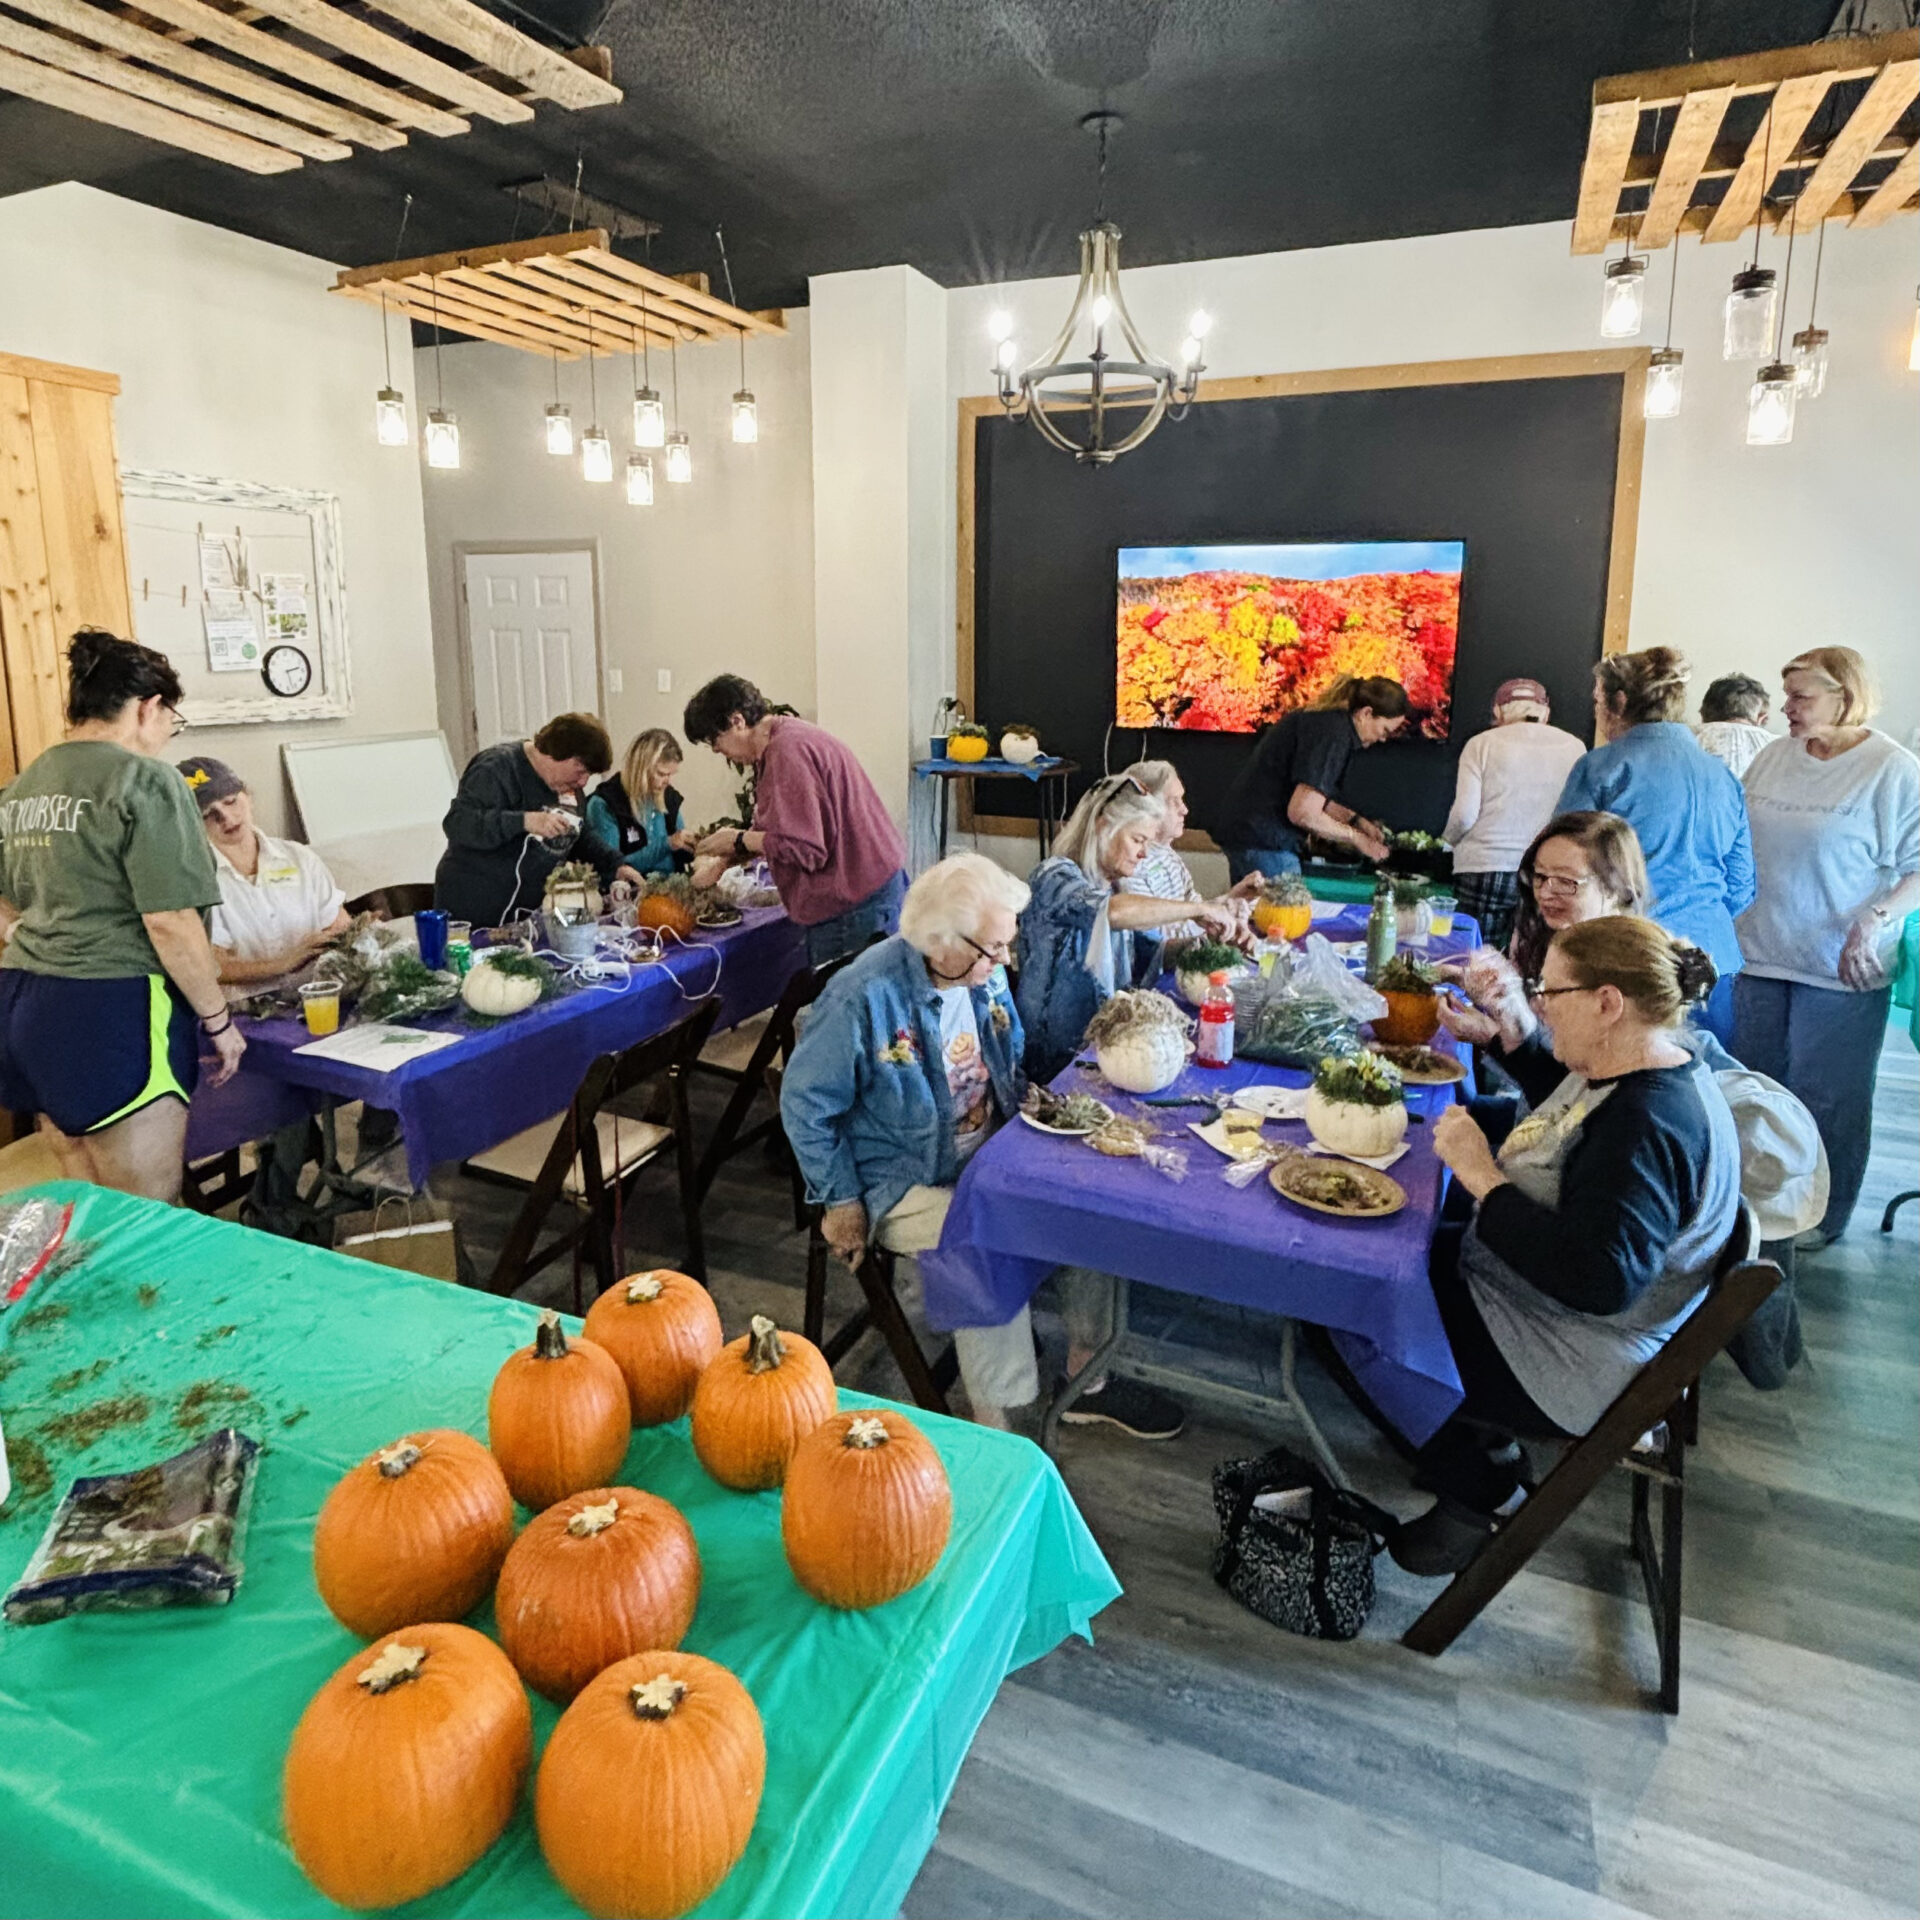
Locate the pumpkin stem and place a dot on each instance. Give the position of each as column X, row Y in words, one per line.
column 866, row 1433
column 591, row 1520
column 395, row 1664
column 397, row 1459
column 656, row 1699
column 642, row 1288
column 764, row 1350
column 550, row 1339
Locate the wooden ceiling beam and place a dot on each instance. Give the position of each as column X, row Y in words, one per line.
column 485, row 38
column 688, row 290
column 1891, row 94
column 268, row 50
column 1695, row 128
column 619, row 301
column 109, row 70
column 1726, row 158
column 458, row 306
column 353, row 37
column 1772, row 146
column 437, row 263
column 1609, row 147
column 1846, row 57
column 414, row 304
column 554, row 323
column 531, row 285
column 55, row 88
column 168, row 55
column 1893, row 193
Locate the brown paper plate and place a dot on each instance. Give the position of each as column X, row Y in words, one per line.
column 1422, row 1066
column 1295, row 1177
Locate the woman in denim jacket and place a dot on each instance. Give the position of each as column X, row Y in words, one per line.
column 908, row 1061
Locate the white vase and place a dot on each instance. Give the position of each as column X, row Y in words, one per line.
column 1352, row 1128
column 1144, row 1062
column 1020, row 748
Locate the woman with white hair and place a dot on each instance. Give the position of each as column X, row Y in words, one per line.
column 1508, row 779
column 1078, row 939
column 909, row 1061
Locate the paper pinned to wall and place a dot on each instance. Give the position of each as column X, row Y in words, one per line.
column 219, row 571
column 233, row 641
column 289, row 621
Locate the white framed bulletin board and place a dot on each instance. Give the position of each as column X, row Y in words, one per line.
column 234, row 581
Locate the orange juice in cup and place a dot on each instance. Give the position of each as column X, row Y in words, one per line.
column 320, row 1002
column 1440, row 909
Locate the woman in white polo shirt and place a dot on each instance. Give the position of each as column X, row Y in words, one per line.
column 278, row 903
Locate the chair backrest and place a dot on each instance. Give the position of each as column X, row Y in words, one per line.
column 394, row 902
column 1743, row 1243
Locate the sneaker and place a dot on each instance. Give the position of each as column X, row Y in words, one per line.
column 1813, row 1240
column 1441, row 1541
column 1138, row 1410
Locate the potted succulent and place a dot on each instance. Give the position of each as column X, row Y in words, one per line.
column 1140, row 1039
column 573, row 891
column 1284, row 909
column 1413, row 1006
column 1199, row 959
column 1356, row 1106
column 967, row 740
column 1019, row 744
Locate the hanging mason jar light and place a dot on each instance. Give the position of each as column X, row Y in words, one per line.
column 649, row 416
column 442, row 431
column 596, row 450
column 679, row 447
column 1770, row 405
column 559, row 416
column 1666, row 370
column 1810, row 343
column 1752, row 303
column 1623, row 296
column 746, row 411
column 390, row 404
column 639, row 480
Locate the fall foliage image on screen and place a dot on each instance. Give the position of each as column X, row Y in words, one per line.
column 1227, row 639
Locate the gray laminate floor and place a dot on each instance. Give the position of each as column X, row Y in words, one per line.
column 1195, row 1761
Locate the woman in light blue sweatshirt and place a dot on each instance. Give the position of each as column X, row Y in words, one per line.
column 1687, row 809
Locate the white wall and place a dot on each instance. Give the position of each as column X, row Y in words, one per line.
column 236, row 362
column 716, row 576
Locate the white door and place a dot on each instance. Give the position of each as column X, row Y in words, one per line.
column 531, row 647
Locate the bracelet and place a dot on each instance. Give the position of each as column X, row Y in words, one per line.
column 741, row 851
column 213, row 1032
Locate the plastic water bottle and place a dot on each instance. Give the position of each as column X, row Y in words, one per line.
column 1213, row 1047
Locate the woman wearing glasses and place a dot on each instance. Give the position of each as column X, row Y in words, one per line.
column 1080, row 938
column 105, row 876
column 1595, row 1228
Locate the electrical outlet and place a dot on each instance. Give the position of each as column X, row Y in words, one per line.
column 663, row 680
column 616, row 680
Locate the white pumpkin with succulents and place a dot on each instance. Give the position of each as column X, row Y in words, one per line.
column 1357, row 1106
column 1140, row 1040
column 1020, row 745
column 504, row 981
column 1197, row 963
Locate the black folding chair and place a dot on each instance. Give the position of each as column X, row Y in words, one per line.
column 591, row 1158
column 927, row 1380
column 1666, row 1390
column 394, row 902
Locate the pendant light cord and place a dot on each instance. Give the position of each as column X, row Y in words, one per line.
column 1673, row 287
column 1766, row 180
column 1819, row 253
column 726, row 268
column 386, row 332
column 1786, row 285
column 1100, row 185
column 593, row 376
column 439, row 379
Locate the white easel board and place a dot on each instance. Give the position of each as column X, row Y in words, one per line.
column 372, row 809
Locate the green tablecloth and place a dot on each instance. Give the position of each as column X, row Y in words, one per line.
column 140, row 1753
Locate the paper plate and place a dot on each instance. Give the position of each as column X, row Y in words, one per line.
column 1387, row 1195
column 1059, row 1133
column 1422, row 1066
column 1272, row 1103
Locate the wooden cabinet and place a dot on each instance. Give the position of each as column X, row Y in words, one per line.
column 63, row 550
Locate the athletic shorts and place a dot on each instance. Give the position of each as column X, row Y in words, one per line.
column 88, row 1053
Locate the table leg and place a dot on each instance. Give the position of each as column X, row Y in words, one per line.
column 1071, row 1389
column 946, row 789
column 1289, row 1335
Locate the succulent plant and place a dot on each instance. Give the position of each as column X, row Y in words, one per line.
column 1404, row 974
column 1361, row 1079
column 1287, row 890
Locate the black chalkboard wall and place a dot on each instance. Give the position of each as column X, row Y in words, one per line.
column 1521, row 470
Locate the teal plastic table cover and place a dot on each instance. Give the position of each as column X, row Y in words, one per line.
column 140, row 1754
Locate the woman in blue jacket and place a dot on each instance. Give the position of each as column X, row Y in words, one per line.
column 909, row 1060
column 1687, row 809
column 637, row 812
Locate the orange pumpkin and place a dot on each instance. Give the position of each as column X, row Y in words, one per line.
column 406, row 1765
column 1411, row 1019
column 557, row 1417
column 415, row 1532
column 758, row 1398
column 649, row 1786
column 1281, row 921
column 596, row 1577
column 661, row 1328
column 867, row 1509
column 667, row 912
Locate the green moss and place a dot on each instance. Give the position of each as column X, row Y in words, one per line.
column 148, row 1296
column 79, row 1377
column 205, row 1402
column 32, row 1473
column 85, row 1425
column 214, row 1335
column 48, row 1315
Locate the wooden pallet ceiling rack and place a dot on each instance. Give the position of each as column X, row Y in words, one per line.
column 271, row 84
column 564, row 294
column 1660, row 164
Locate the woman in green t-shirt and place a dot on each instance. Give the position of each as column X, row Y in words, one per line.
column 105, row 875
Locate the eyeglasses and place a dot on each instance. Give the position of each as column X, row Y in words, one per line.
column 1559, row 886
column 999, row 953
column 1121, row 782
column 174, row 714
column 1535, row 991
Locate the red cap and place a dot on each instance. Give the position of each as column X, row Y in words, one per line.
column 1520, row 690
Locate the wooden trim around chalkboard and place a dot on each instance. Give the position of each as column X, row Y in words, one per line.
column 22, row 368
column 1630, row 363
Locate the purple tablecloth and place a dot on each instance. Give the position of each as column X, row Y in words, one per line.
column 493, row 1082
column 1029, row 1202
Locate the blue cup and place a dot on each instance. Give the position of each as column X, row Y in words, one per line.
column 430, row 927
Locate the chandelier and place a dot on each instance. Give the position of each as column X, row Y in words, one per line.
column 1097, row 407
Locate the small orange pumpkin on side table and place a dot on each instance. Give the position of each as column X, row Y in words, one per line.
column 662, row 1329
column 759, row 1397
column 867, row 1509
column 557, row 1418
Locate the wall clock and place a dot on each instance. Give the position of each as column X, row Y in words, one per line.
column 287, row 670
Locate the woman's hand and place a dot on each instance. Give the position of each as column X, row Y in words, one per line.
column 1468, row 1023
column 1226, row 920
column 845, row 1230
column 632, row 876
column 1247, row 887
column 718, row 844
column 708, row 868
column 228, row 1045
column 1462, row 1147
column 1861, row 965
column 685, row 841
column 548, row 823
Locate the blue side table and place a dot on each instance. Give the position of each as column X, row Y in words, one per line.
column 1049, row 775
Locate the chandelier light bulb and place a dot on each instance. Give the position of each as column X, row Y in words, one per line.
column 1665, row 374
column 1770, row 405
column 1008, row 354
column 390, row 417
column 639, row 480
column 1751, row 303
column 1810, row 361
column 679, row 458
column 1101, row 311
column 442, row 437
column 1190, row 350
column 746, row 419
column 999, row 325
column 596, row 455
column 560, row 429
column 1201, row 324
column 1623, row 297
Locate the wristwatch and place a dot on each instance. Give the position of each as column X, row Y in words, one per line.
column 740, row 848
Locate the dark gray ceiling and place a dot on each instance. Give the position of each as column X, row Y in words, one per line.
column 831, row 134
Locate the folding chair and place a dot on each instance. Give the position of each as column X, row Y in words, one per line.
column 927, row 1380
column 754, row 1057
column 1666, row 1389
column 395, row 902
column 591, row 1159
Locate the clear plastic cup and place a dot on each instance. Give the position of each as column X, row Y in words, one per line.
column 320, row 1003
column 1441, row 908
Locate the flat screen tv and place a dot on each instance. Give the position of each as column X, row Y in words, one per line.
column 1227, row 639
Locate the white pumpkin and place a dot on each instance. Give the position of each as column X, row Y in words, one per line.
column 1193, row 983
column 1020, row 748
column 1147, row 1060
column 1353, row 1128
column 493, row 991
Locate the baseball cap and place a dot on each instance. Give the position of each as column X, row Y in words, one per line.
column 211, row 780
column 1520, row 690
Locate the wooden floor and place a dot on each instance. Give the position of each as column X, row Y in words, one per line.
column 1197, row 1762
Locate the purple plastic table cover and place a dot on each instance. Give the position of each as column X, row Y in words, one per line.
column 497, row 1081
column 1029, row 1202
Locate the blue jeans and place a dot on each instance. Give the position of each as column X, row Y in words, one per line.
column 1716, row 1015
column 1823, row 1045
column 1272, row 861
column 858, row 927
